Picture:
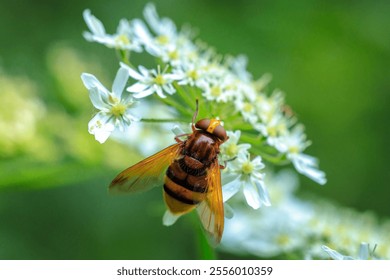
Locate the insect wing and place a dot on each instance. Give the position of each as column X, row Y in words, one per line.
column 211, row 211
column 146, row 174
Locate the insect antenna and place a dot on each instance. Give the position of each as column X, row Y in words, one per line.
column 195, row 114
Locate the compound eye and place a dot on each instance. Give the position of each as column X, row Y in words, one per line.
column 203, row 124
column 220, row 132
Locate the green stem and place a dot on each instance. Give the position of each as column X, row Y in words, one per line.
column 163, row 120
column 183, row 93
column 259, row 147
column 206, row 252
column 253, row 140
column 171, row 102
column 124, row 56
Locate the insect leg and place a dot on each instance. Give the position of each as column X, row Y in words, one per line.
column 177, row 137
column 225, row 162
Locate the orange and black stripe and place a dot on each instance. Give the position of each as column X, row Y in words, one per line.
column 184, row 183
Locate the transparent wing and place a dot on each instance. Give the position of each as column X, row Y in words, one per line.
column 146, row 174
column 210, row 210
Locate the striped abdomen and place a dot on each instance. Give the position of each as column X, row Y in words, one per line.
column 184, row 186
column 185, row 183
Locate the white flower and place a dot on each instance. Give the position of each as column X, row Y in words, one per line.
column 238, row 65
column 231, row 149
column 275, row 127
column 151, row 81
column 262, row 82
column 148, row 138
column 267, row 107
column 164, row 41
column 242, row 173
column 271, row 231
column 247, row 110
column 123, row 39
column 162, row 27
column 271, row 234
column 268, row 232
column 364, row 253
column 190, row 74
column 114, row 107
column 343, row 228
column 216, row 89
column 293, row 144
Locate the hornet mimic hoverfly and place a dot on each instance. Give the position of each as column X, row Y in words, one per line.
column 189, row 173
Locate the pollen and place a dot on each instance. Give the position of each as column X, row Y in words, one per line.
column 99, row 124
column 247, row 167
column 118, row 110
column 112, row 99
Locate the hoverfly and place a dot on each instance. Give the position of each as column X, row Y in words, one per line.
column 189, row 173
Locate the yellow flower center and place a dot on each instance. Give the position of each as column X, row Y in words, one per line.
column 159, row 80
column 193, row 74
column 293, row 150
column 118, row 110
column 216, row 91
column 232, row 150
column 122, row 38
column 163, row 39
column 247, row 167
column 174, row 55
column 272, row 131
column 247, row 107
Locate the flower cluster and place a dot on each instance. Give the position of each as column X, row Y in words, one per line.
column 262, row 128
column 297, row 229
column 20, row 114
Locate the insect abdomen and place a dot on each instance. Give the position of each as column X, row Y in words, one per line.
column 185, row 185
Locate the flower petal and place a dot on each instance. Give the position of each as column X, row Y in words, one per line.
column 137, row 87
column 159, row 91
column 262, row 191
column 251, row 194
column 100, row 126
column 168, row 88
column 97, row 99
column 90, row 81
column 332, row 253
column 142, row 31
column 228, row 211
column 231, row 188
column 307, row 166
column 134, row 74
column 144, row 93
column 120, row 82
column 178, row 131
column 364, row 251
column 169, row 218
column 93, row 23
column 97, row 92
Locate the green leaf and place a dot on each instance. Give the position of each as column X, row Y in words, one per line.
column 26, row 174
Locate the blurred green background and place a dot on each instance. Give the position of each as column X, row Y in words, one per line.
column 330, row 57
